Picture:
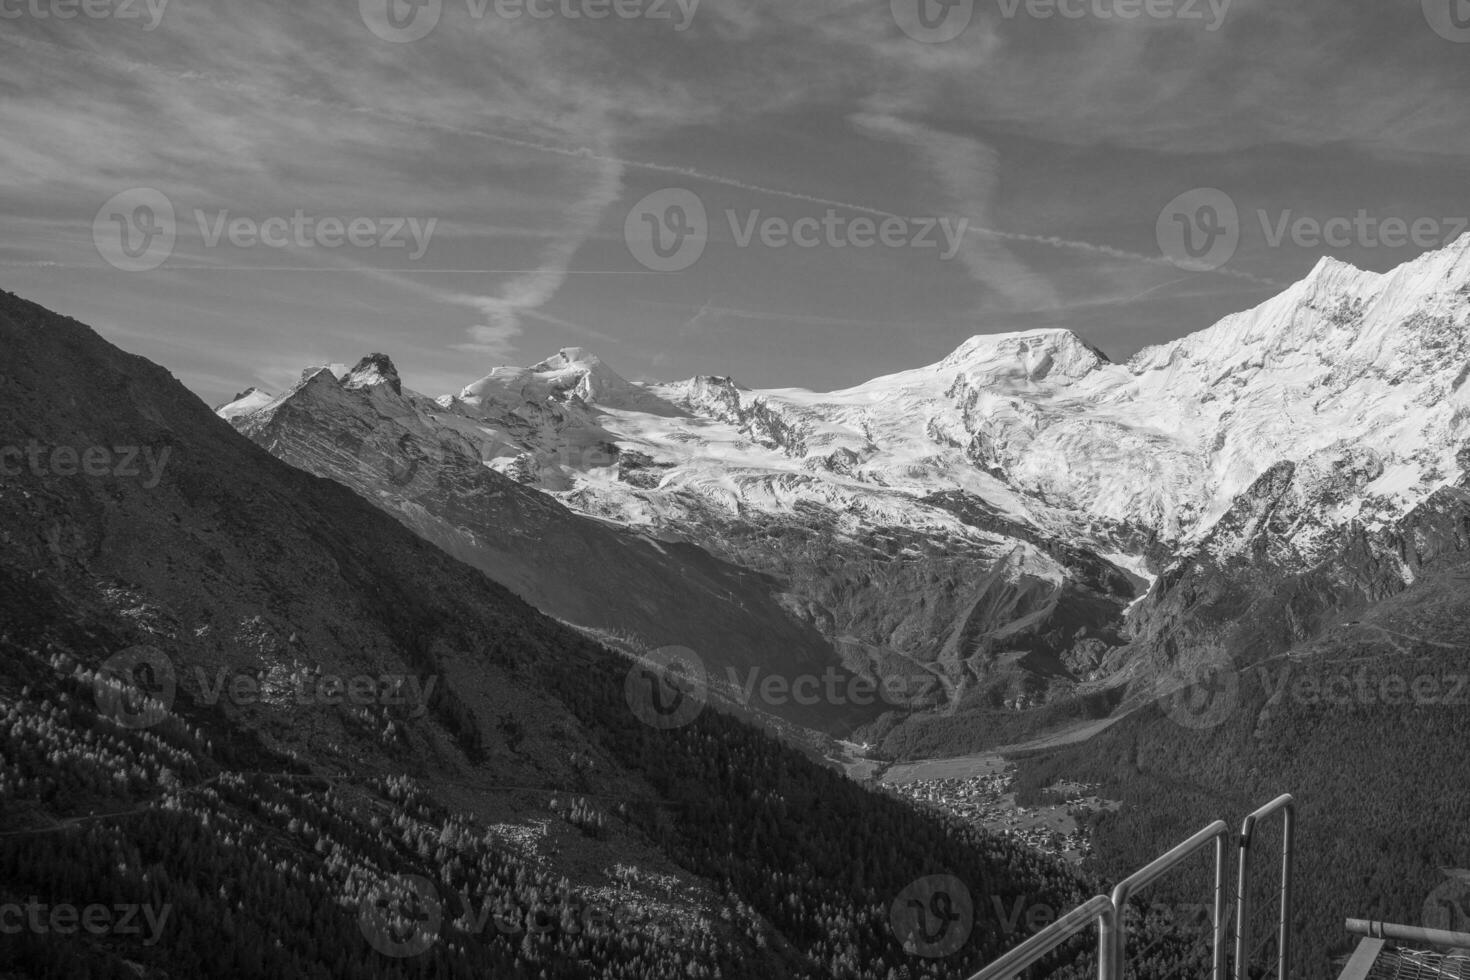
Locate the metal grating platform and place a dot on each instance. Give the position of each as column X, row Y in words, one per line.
column 1419, row 964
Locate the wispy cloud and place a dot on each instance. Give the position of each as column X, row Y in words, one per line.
column 503, row 310
column 967, row 171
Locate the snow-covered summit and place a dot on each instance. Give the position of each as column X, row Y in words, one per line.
column 1038, row 424
column 244, row 403
column 1033, row 355
column 573, row 373
column 375, row 369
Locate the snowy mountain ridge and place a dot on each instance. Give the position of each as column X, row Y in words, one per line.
column 1040, row 425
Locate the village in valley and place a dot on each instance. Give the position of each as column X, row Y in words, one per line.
column 987, row 800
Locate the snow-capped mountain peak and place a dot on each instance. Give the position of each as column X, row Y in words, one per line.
column 572, row 376
column 244, row 403
column 1032, row 355
column 375, row 369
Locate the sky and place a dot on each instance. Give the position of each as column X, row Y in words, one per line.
column 790, row 192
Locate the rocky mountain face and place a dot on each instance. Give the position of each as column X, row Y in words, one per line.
column 989, row 525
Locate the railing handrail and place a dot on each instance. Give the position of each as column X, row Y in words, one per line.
column 1113, row 943
column 1409, row 934
column 1284, row 804
column 1110, row 912
column 1099, row 908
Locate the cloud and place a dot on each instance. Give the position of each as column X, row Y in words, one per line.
column 966, row 170
column 528, row 292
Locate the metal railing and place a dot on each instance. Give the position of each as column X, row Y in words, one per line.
column 1286, row 806
column 1112, row 948
column 1409, row 934
column 1098, row 909
column 1111, row 912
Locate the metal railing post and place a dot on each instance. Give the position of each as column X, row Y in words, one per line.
column 1217, row 958
column 1286, row 806
column 1112, row 953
